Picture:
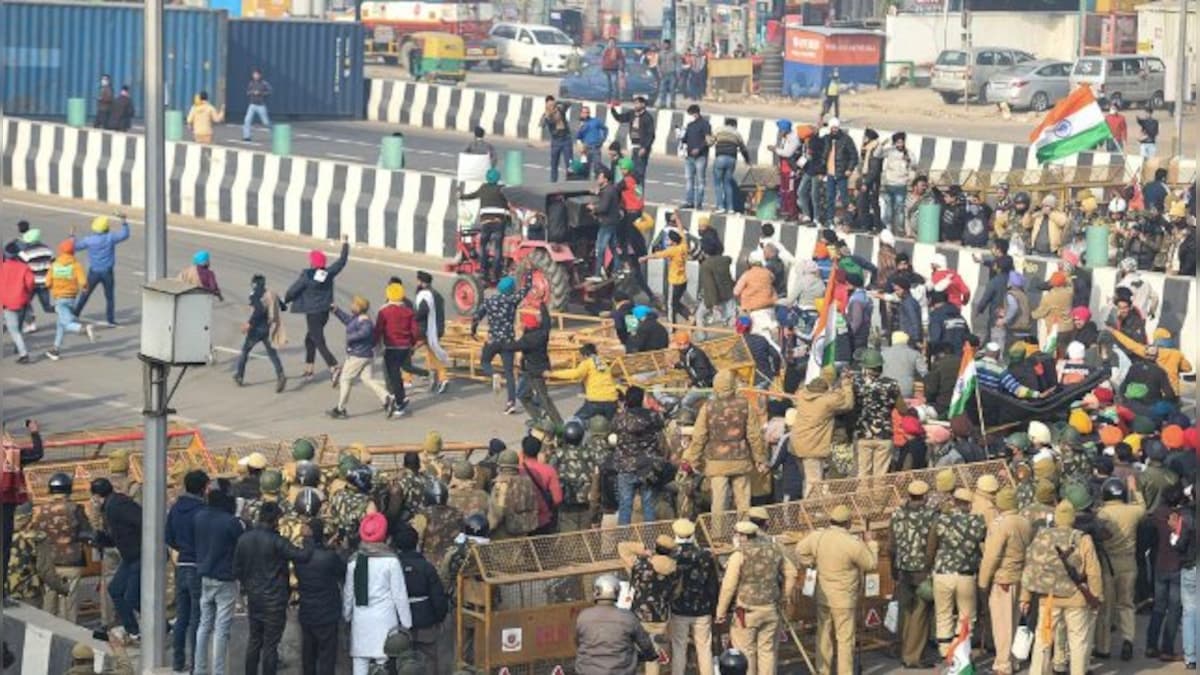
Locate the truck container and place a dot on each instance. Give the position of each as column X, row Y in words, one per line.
column 315, row 68
column 812, row 53
column 55, row 51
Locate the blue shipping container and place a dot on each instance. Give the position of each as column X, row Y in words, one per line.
column 315, row 68
column 56, row 51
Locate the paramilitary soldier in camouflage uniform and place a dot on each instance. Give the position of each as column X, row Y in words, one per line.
column 840, row 559
column 464, row 495
column 1121, row 520
column 1074, row 461
column 1041, row 513
column 31, row 572
column 910, row 537
column 402, row 494
column 66, row 525
column 438, row 522
column 955, row 540
column 1047, row 581
column 728, row 438
column 652, row 575
column 1000, row 573
column 578, row 466
column 432, row 462
column 304, row 451
column 347, row 507
column 474, row 532
column 751, row 589
column 512, row 509
column 270, row 486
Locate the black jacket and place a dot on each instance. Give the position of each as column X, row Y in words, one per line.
column 618, row 318
column 845, row 154
column 260, row 564
column 699, row 368
column 120, row 116
column 216, row 535
column 247, row 488
column 1187, row 254
column 426, row 596
column 490, row 196
column 940, row 381
column 947, row 326
column 641, row 135
column 534, row 346
column 319, row 582
column 695, row 137
column 312, row 293
column 122, row 526
column 650, row 336
column 1147, row 372
column 608, row 205
column 439, row 307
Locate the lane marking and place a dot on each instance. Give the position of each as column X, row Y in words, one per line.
column 339, row 155
column 249, row 435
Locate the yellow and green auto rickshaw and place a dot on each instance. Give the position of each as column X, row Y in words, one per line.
column 432, row 55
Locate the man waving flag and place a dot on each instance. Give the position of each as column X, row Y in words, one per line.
column 1075, row 125
column 824, row 335
column 964, row 387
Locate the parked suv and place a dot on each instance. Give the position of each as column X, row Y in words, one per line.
column 1128, row 78
column 967, row 71
column 534, row 47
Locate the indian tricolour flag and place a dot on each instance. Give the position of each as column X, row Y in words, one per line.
column 958, row 658
column 824, row 335
column 1051, row 345
column 1075, row 125
column 964, row 387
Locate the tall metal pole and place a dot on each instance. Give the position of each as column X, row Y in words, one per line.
column 1080, row 39
column 1181, row 93
column 154, row 504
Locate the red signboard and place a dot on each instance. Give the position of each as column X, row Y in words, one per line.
column 836, row 49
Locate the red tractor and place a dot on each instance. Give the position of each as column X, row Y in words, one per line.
column 559, row 253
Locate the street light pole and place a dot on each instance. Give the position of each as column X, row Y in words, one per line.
column 154, row 456
column 1180, row 79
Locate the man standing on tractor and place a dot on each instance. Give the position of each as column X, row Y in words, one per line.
column 500, row 310
column 493, row 219
column 641, row 134
column 607, row 210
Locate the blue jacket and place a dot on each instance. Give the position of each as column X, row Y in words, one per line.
column 216, row 534
column 360, row 334
column 181, row 526
column 101, row 248
column 592, row 133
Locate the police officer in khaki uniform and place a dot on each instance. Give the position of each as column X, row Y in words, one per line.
column 839, row 560
column 728, row 439
column 1060, row 600
column 512, row 508
column 983, row 502
column 1000, row 571
column 910, row 536
column 1121, row 519
column 751, row 588
column 955, row 540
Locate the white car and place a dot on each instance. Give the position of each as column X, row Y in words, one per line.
column 534, row 47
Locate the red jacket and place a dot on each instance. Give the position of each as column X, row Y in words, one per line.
column 16, row 284
column 956, row 289
column 396, row 326
column 631, row 195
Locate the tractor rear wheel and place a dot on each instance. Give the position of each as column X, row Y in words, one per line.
column 467, row 294
column 551, row 283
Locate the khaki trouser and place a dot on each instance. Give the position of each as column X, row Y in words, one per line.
column 433, row 363
column 1002, row 607
column 874, row 456
column 699, row 628
column 108, row 567
column 720, row 491
column 835, row 624
column 357, row 367
column 814, row 472
column 64, row 606
column 914, row 619
column 1076, row 623
column 656, row 631
column 953, row 598
column 1116, row 609
column 757, row 639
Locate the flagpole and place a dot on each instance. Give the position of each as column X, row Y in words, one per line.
column 979, row 407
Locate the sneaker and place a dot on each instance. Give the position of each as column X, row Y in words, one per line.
column 441, row 386
column 433, row 384
column 388, row 400
column 30, row 327
column 686, row 205
column 497, row 382
column 110, row 324
column 334, row 372
column 400, row 409
column 510, row 408
column 53, row 355
column 23, row 359
column 237, row 379
column 337, row 413
column 90, row 331
column 280, row 384
column 1127, row 651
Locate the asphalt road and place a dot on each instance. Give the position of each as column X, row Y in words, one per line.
column 100, row 384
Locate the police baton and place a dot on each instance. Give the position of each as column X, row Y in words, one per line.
column 795, row 638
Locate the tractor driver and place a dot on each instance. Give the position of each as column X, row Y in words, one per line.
column 493, row 220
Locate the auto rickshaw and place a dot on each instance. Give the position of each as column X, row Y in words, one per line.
column 432, row 55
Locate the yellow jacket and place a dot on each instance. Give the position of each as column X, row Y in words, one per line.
column 1171, row 360
column 66, row 278
column 677, row 257
column 203, row 116
column 598, row 383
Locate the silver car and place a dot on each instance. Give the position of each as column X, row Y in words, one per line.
column 1035, row 85
column 960, row 72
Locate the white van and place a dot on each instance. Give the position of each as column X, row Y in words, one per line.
column 1126, row 79
column 534, row 47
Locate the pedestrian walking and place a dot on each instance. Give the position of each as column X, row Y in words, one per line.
column 697, row 137
column 397, row 330
column 535, row 363
column 16, row 292
column 181, row 538
column 758, row 581
column 360, row 353
column 832, row 91
column 554, row 121
column 66, row 527
column 200, row 274
column 839, row 560
column 121, row 520
column 312, row 295
column 426, row 596
column 121, row 116
column 319, row 586
column 641, row 134
column 264, row 325
column 500, row 311
column 431, row 322
column 39, row 257
column 727, row 144
column 101, row 246
column 375, row 597
column 104, row 101
column 203, row 117
column 591, row 135
column 257, row 92
column 216, row 533
column 260, row 564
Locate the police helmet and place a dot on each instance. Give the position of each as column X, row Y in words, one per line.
column 476, row 525
column 360, row 478
column 397, row 643
column 308, row 502
column 573, row 432
column 271, row 481
column 59, row 484
column 436, row 493
column 733, row 662
column 346, row 464
column 102, row 487
column 1113, row 489
column 598, row 425
column 303, row 450
column 606, row 587
column 308, row 474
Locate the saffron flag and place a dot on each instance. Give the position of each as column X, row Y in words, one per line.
column 1075, row 125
